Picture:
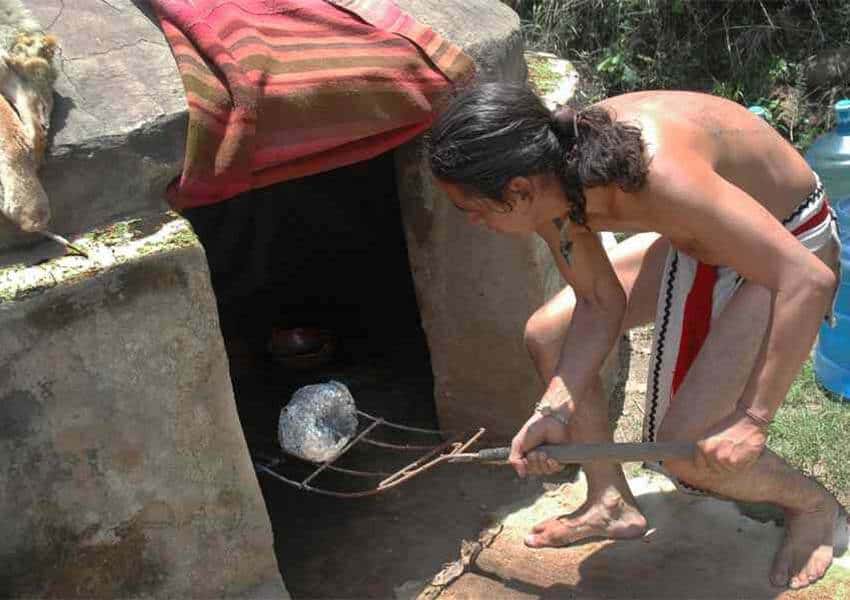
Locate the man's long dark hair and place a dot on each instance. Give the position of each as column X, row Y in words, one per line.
column 493, row 132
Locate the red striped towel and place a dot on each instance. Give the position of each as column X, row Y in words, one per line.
column 280, row 89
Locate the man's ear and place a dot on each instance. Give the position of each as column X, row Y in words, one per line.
column 519, row 191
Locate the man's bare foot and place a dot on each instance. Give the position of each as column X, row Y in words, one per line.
column 611, row 517
column 810, row 539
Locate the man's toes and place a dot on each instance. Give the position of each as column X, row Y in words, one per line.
column 800, row 580
column 813, row 575
column 538, row 538
column 535, row 531
column 779, row 576
column 552, row 533
column 780, row 571
column 541, row 538
column 809, row 574
column 818, row 565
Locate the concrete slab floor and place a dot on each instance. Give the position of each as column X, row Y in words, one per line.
column 698, row 547
column 391, row 545
column 366, row 548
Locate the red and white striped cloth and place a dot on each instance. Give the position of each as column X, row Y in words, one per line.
column 693, row 294
column 281, row 89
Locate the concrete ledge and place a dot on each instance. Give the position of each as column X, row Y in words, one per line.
column 119, row 120
column 126, row 469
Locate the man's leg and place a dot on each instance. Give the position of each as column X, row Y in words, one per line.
column 708, row 394
column 610, row 509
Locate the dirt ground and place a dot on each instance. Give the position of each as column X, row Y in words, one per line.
column 393, row 544
column 632, row 390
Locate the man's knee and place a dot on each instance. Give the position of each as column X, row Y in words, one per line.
column 534, row 335
column 675, row 427
column 691, row 473
column 543, row 333
column 684, row 469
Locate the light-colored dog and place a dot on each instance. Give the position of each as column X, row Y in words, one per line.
column 27, row 75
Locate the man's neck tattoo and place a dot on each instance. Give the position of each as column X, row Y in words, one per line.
column 566, row 242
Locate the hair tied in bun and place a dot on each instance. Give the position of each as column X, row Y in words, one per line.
column 567, row 118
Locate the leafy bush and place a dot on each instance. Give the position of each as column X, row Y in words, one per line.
column 753, row 52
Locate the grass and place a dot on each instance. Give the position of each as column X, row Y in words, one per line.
column 811, row 430
column 750, row 52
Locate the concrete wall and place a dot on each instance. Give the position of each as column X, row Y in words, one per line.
column 476, row 289
column 125, row 469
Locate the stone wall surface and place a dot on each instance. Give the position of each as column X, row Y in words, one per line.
column 126, row 472
column 119, row 120
column 125, row 469
column 486, row 30
column 475, row 289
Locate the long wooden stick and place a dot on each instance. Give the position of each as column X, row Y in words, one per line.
column 582, row 453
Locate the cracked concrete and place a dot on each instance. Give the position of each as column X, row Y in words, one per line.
column 698, row 548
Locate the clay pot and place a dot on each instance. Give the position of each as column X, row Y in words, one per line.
column 302, row 347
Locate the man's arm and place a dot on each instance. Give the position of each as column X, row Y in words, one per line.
column 731, row 228
column 595, row 324
column 597, row 317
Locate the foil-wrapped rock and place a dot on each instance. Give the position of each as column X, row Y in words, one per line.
column 318, row 422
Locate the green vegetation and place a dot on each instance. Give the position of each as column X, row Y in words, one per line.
column 812, row 432
column 790, row 56
column 115, row 233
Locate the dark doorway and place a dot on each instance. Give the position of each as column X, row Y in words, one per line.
column 326, row 251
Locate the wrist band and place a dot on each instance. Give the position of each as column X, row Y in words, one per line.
column 557, row 416
column 547, row 411
column 758, row 419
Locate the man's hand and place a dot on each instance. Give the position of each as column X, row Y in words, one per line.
column 733, row 446
column 539, row 429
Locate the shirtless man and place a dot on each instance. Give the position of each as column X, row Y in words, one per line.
column 733, row 231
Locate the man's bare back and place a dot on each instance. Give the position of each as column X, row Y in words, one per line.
column 741, row 147
column 687, row 133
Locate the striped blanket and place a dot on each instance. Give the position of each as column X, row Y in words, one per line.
column 281, row 89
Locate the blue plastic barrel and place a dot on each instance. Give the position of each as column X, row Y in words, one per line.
column 829, row 156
